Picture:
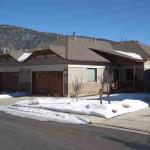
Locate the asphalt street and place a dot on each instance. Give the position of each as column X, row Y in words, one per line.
column 25, row 134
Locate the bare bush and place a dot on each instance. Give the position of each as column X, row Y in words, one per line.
column 77, row 85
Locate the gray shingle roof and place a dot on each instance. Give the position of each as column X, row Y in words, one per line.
column 83, row 49
column 79, row 49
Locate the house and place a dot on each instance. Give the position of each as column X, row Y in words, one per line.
column 53, row 68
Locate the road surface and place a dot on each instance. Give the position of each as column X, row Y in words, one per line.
column 25, row 134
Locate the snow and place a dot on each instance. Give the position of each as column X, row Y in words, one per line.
column 24, row 57
column 57, row 109
column 133, row 55
column 43, row 115
column 9, row 95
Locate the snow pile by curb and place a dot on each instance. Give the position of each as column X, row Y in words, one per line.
column 43, row 115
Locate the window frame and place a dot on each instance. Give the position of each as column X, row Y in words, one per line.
column 95, row 74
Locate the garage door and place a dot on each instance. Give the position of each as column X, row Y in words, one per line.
column 9, row 81
column 47, row 83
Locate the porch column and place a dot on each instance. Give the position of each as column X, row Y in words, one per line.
column 134, row 73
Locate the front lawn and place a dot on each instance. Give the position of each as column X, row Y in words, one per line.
column 57, row 109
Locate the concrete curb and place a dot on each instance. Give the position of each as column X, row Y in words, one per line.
column 145, row 132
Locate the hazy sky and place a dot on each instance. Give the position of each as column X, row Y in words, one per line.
column 111, row 19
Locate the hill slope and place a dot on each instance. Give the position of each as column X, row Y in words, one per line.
column 12, row 37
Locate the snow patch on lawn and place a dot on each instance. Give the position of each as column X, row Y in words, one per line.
column 56, row 109
column 43, row 115
column 120, row 104
column 9, row 95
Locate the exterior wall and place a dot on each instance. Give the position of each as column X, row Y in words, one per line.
column 146, row 78
column 80, row 72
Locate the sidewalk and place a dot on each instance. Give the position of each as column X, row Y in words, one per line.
column 13, row 100
column 138, row 121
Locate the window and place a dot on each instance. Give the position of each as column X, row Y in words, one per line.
column 91, row 74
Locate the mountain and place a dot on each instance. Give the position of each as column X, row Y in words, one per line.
column 12, row 37
column 17, row 38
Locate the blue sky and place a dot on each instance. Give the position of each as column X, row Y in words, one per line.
column 111, row 19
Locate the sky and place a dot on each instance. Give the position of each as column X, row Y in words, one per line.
column 109, row 19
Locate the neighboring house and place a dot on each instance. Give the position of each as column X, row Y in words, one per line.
column 53, row 68
column 140, row 51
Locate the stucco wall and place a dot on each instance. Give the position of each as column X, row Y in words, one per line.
column 80, row 72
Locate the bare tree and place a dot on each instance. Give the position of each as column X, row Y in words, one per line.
column 106, row 79
column 100, row 78
column 77, row 85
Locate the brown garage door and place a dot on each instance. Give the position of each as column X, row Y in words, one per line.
column 9, row 81
column 47, row 83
